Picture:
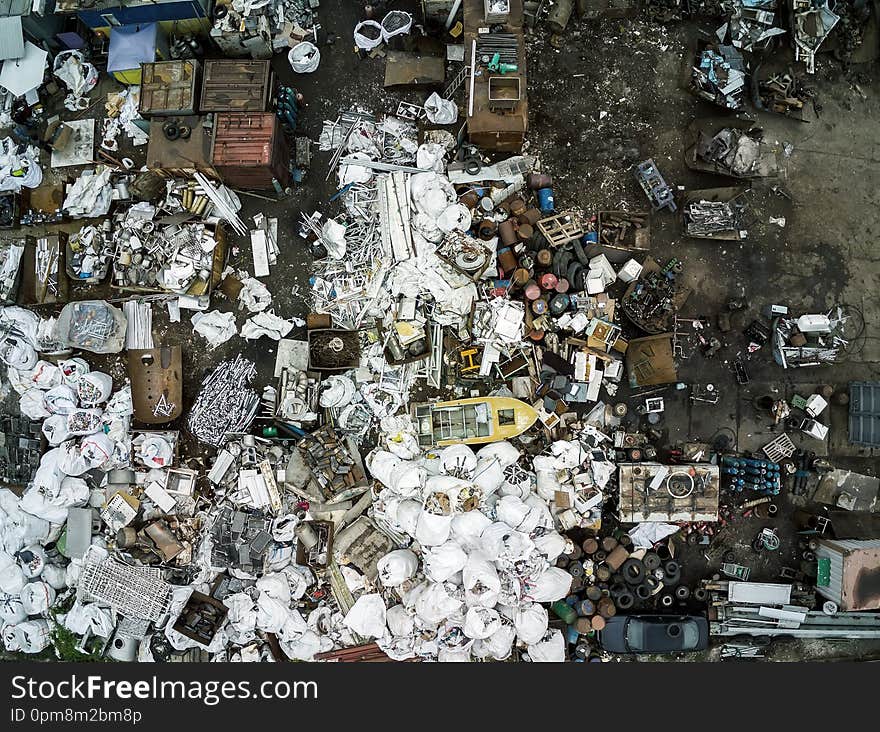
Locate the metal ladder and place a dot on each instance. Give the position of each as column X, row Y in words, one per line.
column 459, row 79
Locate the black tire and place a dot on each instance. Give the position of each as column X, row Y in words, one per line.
column 651, row 561
column 729, row 557
column 701, row 594
column 633, row 572
column 171, row 131
column 672, row 574
column 617, row 589
column 651, row 582
column 600, row 556
column 682, row 592
column 693, row 538
column 643, row 592
column 576, row 569
column 666, row 601
column 625, row 601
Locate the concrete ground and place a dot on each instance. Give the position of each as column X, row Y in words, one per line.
column 608, row 99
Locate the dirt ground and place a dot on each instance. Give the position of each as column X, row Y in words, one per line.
column 608, row 99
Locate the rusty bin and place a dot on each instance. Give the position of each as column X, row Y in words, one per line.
column 250, row 150
column 236, row 85
column 170, row 87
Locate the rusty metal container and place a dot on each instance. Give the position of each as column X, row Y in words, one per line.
column 183, row 156
column 617, row 557
column 590, row 546
column 507, row 232
column 583, row 625
column 530, row 216
column 232, row 85
column 250, row 150
column 506, row 260
column 608, row 543
column 170, row 87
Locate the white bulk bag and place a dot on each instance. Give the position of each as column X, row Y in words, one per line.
column 36, row 597
column 435, row 604
column 481, row 622
column 12, row 609
column 467, row 528
column 458, row 460
column 443, row 561
column 550, row 649
column 399, row 620
column 32, row 404
column 367, row 35
column 500, row 542
column 432, row 530
column 481, row 582
column 397, row 567
column 31, row 636
column 367, row 616
column 551, row 585
column 531, row 623
column 94, row 388
column 304, row 57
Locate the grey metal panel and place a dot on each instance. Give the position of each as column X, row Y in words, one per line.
column 15, row 7
column 864, row 413
column 856, row 544
column 11, row 38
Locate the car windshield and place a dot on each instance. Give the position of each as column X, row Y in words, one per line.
column 648, row 635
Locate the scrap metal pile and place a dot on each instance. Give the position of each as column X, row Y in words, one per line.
column 460, row 453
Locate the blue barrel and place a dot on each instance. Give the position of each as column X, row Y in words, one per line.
column 591, row 237
column 545, row 201
column 572, row 600
column 585, row 608
column 571, row 635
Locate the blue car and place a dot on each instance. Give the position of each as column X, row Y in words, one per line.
column 655, row 634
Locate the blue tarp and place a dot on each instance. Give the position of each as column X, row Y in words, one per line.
column 132, row 45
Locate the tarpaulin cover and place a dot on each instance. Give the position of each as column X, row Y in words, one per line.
column 132, row 45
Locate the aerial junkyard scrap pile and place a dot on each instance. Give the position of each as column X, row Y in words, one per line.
column 461, row 454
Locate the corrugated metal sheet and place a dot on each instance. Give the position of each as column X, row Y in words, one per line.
column 235, row 86
column 864, row 413
column 834, row 589
column 249, row 149
column 849, row 545
column 11, row 38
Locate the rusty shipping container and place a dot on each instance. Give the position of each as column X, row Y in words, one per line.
column 250, row 150
column 170, row 87
column 232, row 85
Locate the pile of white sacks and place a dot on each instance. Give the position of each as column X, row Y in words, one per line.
column 480, row 562
column 86, row 425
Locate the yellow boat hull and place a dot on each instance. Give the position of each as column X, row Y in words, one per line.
column 475, row 421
